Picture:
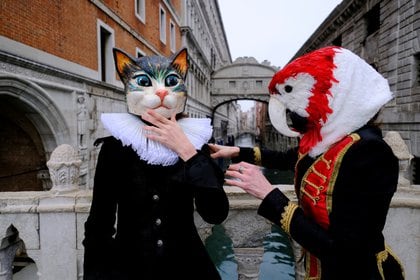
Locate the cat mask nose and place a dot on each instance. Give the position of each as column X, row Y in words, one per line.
column 161, row 93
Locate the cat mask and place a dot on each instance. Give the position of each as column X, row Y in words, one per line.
column 153, row 82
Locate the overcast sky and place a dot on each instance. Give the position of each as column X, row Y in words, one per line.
column 272, row 30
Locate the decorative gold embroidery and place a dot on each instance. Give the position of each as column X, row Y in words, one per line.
column 380, row 258
column 318, row 188
column 327, row 162
column 323, row 177
column 286, row 216
column 257, row 156
column 314, row 199
column 355, row 137
column 383, row 255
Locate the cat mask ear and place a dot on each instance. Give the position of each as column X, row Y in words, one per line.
column 123, row 63
column 180, row 62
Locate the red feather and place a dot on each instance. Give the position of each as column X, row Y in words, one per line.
column 320, row 65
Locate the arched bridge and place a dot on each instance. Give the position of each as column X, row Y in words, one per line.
column 245, row 78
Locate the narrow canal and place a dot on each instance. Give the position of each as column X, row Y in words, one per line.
column 278, row 261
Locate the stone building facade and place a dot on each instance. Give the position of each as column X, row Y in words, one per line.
column 386, row 34
column 57, row 73
column 57, row 76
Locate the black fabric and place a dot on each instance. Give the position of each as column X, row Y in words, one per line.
column 366, row 182
column 122, row 231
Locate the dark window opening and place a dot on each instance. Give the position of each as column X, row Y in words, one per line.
column 105, row 37
column 416, row 70
column 416, row 170
column 337, row 41
column 373, row 20
column 374, row 65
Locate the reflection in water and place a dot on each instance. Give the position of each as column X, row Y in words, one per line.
column 278, row 261
column 220, row 248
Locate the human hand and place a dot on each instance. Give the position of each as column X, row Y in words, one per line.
column 220, row 151
column 169, row 133
column 251, row 179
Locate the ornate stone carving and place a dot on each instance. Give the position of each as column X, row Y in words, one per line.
column 249, row 260
column 82, row 119
column 64, row 166
column 400, row 149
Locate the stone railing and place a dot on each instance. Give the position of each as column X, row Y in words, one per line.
column 47, row 228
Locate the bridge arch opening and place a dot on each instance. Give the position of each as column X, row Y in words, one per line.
column 233, row 100
column 31, row 127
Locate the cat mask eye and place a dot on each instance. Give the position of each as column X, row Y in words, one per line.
column 153, row 82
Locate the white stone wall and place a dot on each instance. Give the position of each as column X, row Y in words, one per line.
column 52, row 229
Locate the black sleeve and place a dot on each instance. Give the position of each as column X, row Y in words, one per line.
column 206, row 179
column 99, row 226
column 365, row 185
column 269, row 158
column 279, row 160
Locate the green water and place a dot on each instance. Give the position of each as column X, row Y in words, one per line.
column 277, row 263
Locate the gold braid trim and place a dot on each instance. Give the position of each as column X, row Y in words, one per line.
column 286, row 216
column 382, row 256
column 257, row 156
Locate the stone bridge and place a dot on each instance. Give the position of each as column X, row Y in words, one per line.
column 244, row 79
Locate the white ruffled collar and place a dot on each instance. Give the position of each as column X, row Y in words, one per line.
column 128, row 128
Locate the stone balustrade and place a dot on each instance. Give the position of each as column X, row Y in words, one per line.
column 50, row 230
column 48, row 227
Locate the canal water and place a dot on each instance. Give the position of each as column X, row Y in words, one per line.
column 278, row 260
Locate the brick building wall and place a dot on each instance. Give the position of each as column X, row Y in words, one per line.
column 68, row 29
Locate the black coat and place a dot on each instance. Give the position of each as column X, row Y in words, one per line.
column 366, row 182
column 141, row 223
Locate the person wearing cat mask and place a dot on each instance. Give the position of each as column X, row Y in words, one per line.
column 152, row 173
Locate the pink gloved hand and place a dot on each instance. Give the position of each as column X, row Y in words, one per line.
column 250, row 178
column 169, row 133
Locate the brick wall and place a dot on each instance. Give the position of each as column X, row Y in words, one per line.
column 68, row 29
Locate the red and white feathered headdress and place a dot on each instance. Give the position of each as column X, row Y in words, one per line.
column 336, row 91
